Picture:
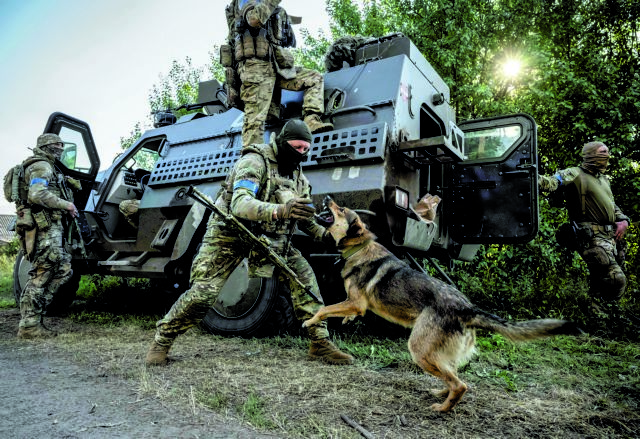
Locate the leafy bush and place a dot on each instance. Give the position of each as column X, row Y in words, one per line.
column 10, row 249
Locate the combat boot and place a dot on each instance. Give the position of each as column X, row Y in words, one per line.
column 327, row 352
column 157, row 355
column 316, row 125
column 34, row 332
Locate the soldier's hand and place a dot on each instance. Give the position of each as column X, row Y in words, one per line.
column 73, row 183
column 297, row 208
column 621, row 228
column 72, row 210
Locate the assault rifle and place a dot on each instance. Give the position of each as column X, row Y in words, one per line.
column 260, row 244
column 79, row 243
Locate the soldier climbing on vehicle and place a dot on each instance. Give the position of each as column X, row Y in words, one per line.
column 259, row 63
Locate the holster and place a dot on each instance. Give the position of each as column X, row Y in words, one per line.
column 30, row 241
column 24, row 220
column 584, row 233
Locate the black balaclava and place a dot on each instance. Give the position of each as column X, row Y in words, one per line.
column 594, row 162
column 288, row 157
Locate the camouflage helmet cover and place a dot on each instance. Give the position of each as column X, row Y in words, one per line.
column 47, row 139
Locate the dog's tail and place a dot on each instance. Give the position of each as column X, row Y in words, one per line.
column 525, row 330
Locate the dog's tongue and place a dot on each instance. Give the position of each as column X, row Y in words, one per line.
column 325, row 220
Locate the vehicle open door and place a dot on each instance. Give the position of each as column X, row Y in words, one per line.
column 492, row 195
column 80, row 158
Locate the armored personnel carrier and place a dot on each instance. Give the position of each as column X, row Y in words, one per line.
column 396, row 138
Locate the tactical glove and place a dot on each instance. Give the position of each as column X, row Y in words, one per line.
column 296, row 208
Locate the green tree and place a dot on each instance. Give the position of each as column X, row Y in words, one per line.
column 178, row 87
column 579, row 81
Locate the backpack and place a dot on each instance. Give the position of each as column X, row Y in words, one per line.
column 16, row 189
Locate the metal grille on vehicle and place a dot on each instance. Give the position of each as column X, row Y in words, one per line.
column 196, row 167
column 361, row 142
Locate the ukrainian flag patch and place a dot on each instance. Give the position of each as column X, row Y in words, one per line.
column 38, row 181
column 247, row 184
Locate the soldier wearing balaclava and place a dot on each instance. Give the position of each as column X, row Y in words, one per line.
column 600, row 226
column 268, row 190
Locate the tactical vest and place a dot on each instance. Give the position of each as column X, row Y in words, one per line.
column 274, row 188
column 53, row 186
column 31, row 215
column 245, row 42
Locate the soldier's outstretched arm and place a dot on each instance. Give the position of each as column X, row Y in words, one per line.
column 550, row 183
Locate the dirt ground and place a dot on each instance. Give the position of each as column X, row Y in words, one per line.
column 45, row 393
column 90, row 382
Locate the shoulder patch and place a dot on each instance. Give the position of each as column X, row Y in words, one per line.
column 35, row 181
column 247, row 184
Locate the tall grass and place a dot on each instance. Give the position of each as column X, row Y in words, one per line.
column 7, row 259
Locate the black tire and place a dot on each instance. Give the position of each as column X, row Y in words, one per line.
column 268, row 311
column 63, row 298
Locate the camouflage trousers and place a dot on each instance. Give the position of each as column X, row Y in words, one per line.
column 50, row 269
column 607, row 281
column 258, row 82
column 221, row 252
column 129, row 208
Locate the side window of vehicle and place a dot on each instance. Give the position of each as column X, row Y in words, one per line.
column 75, row 155
column 145, row 159
column 491, row 143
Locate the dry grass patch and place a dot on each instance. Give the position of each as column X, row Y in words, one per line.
column 561, row 388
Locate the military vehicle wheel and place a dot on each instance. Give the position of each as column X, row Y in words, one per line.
column 61, row 301
column 250, row 307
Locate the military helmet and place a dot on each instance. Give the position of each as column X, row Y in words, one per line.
column 47, row 139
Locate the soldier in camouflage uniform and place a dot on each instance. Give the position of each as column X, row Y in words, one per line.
column 267, row 187
column 601, row 223
column 259, row 33
column 50, row 263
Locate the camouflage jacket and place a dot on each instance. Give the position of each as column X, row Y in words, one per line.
column 255, row 188
column 44, row 183
column 589, row 197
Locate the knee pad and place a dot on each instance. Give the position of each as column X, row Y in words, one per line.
column 618, row 280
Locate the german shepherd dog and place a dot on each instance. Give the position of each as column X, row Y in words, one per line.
column 442, row 318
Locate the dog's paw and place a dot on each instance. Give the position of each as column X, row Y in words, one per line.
column 307, row 323
column 347, row 319
column 442, row 408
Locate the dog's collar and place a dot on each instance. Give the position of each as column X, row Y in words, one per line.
column 347, row 253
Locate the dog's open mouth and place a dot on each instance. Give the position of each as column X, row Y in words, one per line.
column 325, row 219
